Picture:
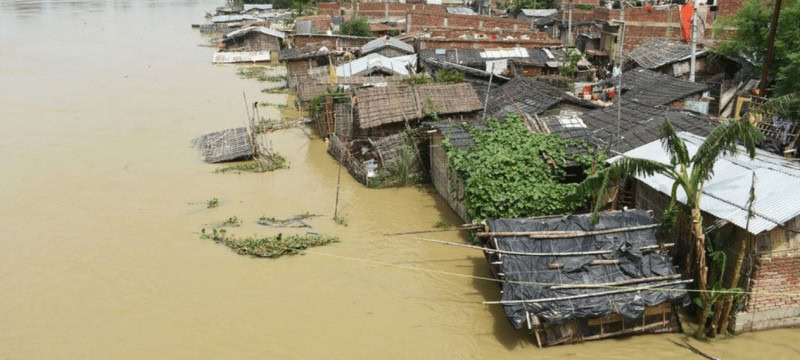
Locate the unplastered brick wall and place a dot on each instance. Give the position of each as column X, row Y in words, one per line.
column 421, row 20
column 488, row 33
column 380, row 10
column 556, row 3
column 426, row 43
column 775, row 274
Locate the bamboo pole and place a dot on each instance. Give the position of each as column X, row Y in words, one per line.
column 583, row 296
column 564, row 234
column 575, row 253
column 430, row 231
column 554, row 266
column 617, row 283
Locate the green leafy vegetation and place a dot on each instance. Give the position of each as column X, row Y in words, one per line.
column 232, row 221
column 584, row 7
column 267, row 246
column 752, row 23
column 210, row 204
column 448, row 76
column 259, row 73
column 512, row 173
column 418, row 79
column 275, row 90
column 570, row 67
column 355, row 27
column 516, row 5
column 403, row 170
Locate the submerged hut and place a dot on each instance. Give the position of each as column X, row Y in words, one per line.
column 567, row 280
column 254, row 38
column 225, row 145
column 388, row 110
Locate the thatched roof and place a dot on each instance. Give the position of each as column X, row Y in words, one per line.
column 224, row 145
column 386, row 105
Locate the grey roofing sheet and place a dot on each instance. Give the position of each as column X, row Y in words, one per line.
column 460, row 10
column 658, row 52
column 539, row 12
column 459, row 137
column 639, row 124
column 654, row 88
column 261, row 29
column 528, row 95
column 726, row 194
column 382, row 42
column 303, row 27
column 398, row 65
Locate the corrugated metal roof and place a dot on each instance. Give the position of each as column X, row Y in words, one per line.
column 505, row 53
column 230, row 57
column 261, row 29
column 231, row 18
column 257, row 6
column 382, row 42
column 726, row 194
column 538, row 12
column 460, row 10
column 397, row 65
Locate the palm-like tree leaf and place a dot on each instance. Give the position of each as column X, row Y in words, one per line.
column 674, row 145
column 721, row 141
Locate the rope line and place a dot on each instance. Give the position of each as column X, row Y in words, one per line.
column 542, row 284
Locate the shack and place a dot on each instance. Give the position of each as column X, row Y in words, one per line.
column 300, row 60
column 225, row 145
column 667, row 57
column 387, row 46
column 253, row 38
column 771, row 237
column 567, row 280
column 444, row 178
column 391, row 109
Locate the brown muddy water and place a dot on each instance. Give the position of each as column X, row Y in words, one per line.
column 101, row 201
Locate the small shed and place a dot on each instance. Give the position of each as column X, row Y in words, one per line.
column 771, row 237
column 253, row 38
column 567, row 280
column 667, row 57
column 300, row 60
column 387, row 46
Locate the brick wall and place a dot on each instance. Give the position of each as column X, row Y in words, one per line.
column 775, row 274
column 487, row 33
column 380, row 10
column 417, row 21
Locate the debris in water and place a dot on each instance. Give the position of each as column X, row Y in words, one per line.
column 294, row 221
column 210, row 204
column 225, row 145
column 270, row 246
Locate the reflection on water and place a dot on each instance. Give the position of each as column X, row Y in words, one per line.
column 101, row 201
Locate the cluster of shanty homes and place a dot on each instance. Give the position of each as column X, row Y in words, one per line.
column 568, row 280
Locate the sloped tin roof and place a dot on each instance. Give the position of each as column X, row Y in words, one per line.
column 726, row 194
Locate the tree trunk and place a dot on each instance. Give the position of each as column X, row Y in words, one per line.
column 725, row 310
column 702, row 269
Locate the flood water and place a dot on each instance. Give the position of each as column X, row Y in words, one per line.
column 102, row 199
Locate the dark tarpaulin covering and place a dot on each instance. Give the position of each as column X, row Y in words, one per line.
column 633, row 264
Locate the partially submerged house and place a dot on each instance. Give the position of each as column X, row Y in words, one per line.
column 377, row 64
column 567, row 280
column 300, row 60
column 372, row 133
column 772, row 234
column 253, row 38
column 387, row 46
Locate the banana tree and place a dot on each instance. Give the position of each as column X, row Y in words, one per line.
column 689, row 173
